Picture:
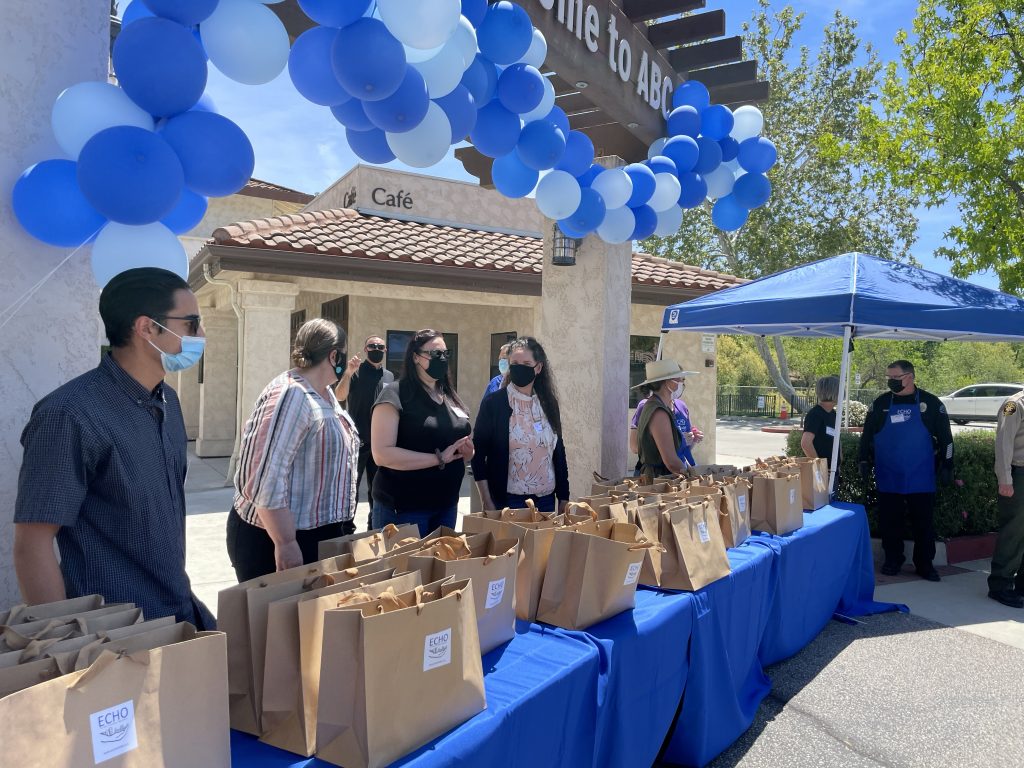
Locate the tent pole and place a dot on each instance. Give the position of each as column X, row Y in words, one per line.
column 840, row 406
column 661, row 345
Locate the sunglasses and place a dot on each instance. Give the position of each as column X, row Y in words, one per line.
column 377, row 347
column 194, row 321
column 436, row 354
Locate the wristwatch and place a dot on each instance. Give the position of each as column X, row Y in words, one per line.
column 440, row 460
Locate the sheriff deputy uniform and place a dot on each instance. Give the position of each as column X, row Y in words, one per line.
column 1006, row 584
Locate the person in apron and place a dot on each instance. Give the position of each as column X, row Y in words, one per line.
column 906, row 435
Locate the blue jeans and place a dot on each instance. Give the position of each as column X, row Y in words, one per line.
column 544, row 503
column 427, row 519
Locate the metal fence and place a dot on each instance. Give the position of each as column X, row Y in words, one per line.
column 767, row 402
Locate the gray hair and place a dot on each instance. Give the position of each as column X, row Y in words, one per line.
column 827, row 389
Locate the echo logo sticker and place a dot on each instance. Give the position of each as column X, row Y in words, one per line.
column 702, row 532
column 673, row 316
column 113, row 731
column 632, row 574
column 437, row 649
column 495, row 593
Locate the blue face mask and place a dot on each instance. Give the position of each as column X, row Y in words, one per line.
column 503, row 366
column 191, row 350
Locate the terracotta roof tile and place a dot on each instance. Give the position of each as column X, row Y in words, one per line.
column 264, row 189
column 345, row 232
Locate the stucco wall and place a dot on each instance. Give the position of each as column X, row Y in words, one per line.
column 232, row 209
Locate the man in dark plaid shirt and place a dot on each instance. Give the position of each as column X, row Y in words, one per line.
column 105, row 462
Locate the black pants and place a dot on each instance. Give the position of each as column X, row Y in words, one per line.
column 368, row 468
column 252, row 550
column 892, row 509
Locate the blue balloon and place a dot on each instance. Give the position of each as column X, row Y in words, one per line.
column 643, row 184
column 331, row 13
column 683, row 151
column 684, row 121
column 692, row 94
column 352, row 115
column 310, row 68
column 694, row 190
column 160, row 66
column 579, row 154
column 134, row 11
column 215, row 153
column 505, row 34
column 752, row 190
column 187, row 213
column 728, row 215
column 511, row 177
column 709, row 157
column 481, row 79
column 587, row 177
column 661, row 164
column 757, row 154
column 405, row 108
column 130, row 175
column 460, row 108
column 49, row 204
column 371, row 146
column 558, row 117
column 368, row 61
column 646, row 222
column 474, row 10
column 520, row 88
column 541, row 145
column 716, row 121
column 496, row 131
column 187, row 12
column 730, row 148
column 570, row 231
column 590, row 213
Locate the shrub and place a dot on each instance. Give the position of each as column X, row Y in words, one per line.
column 858, row 413
column 968, row 506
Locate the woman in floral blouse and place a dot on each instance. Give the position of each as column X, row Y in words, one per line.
column 520, row 453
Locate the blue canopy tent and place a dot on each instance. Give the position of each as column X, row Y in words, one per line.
column 854, row 296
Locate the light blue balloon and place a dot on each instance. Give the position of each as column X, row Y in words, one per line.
column 246, row 41
column 85, row 109
column 558, row 195
column 120, row 247
column 618, row 225
column 427, row 143
column 512, row 178
column 728, row 214
column 49, row 204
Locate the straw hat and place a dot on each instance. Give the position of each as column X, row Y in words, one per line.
column 660, row 370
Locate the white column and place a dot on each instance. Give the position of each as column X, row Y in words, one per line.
column 218, row 394
column 585, row 332
column 51, row 44
column 186, row 384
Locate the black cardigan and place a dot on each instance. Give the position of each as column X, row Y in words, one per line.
column 490, row 441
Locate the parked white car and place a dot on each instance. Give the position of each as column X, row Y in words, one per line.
column 978, row 402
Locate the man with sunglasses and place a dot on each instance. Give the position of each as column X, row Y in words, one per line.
column 908, row 439
column 105, row 459
column 360, row 391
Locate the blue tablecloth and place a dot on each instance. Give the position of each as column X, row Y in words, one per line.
column 686, row 666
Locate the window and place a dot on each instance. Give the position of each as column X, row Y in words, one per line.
column 967, row 392
column 298, row 318
column 497, row 341
column 1007, row 391
column 398, row 342
column 336, row 311
column 642, row 350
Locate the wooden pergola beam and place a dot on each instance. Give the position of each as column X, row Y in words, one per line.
column 688, row 29
column 645, row 10
column 747, row 93
column 709, row 54
column 727, row 74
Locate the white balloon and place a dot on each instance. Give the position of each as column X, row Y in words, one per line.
column 417, row 55
column 85, row 109
column 427, row 143
column 547, row 103
column 443, row 72
column 538, row 50
column 246, row 41
column 720, row 182
column 120, row 247
column 666, row 191
column 465, row 38
column 747, row 122
column 656, row 148
column 558, row 195
column 421, row 23
column 618, row 224
column 669, row 221
column 614, row 186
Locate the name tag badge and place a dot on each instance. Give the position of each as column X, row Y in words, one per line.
column 830, row 431
column 898, row 418
column 459, row 412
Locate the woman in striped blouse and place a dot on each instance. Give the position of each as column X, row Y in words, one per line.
column 296, row 480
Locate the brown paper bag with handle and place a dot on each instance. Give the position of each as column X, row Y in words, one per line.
column 813, row 481
column 735, row 518
column 694, row 548
column 21, row 614
column 776, row 503
column 396, row 672
column 371, row 544
column 591, row 576
column 18, row 636
column 152, row 707
column 290, row 689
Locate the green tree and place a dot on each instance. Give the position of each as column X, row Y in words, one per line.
column 951, row 127
column 824, row 202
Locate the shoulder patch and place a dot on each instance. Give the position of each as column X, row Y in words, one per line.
column 1010, row 408
column 924, row 407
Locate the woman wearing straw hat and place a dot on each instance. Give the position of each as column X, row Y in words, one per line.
column 658, row 437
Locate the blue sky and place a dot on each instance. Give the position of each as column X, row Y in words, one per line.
column 300, row 145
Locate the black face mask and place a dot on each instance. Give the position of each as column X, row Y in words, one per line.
column 437, row 369
column 895, row 385
column 521, row 375
column 375, row 355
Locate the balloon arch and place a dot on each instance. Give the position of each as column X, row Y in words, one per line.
column 406, row 80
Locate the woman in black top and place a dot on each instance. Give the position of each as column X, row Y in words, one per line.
column 419, row 433
column 820, row 421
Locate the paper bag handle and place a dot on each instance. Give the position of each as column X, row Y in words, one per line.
column 574, row 505
column 105, row 660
